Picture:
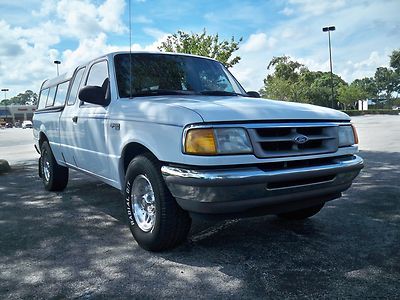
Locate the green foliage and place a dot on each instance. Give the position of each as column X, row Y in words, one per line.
column 28, row 97
column 348, row 95
column 292, row 81
column 284, row 83
column 385, row 80
column 371, row 112
column 395, row 60
column 203, row 44
column 368, row 85
column 286, row 69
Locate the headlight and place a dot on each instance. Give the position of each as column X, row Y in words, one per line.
column 347, row 136
column 214, row 141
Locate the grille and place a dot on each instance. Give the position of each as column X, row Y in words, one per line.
column 293, row 140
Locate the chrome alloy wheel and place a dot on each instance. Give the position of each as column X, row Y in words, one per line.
column 143, row 203
column 46, row 167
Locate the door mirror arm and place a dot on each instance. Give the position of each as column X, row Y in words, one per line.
column 253, row 94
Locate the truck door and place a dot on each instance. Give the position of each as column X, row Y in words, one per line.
column 68, row 135
column 90, row 127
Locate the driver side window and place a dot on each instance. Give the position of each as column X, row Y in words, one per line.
column 98, row 74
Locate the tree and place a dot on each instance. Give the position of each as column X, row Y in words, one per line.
column 203, row 44
column 385, row 80
column 286, row 69
column 348, row 95
column 395, row 60
column 278, row 88
column 368, row 85
column 395, row 64
column 28, row 97
column 320, row 90
column 284, row 83
column 292, row 81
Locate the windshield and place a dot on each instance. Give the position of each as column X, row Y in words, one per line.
column 164, row 74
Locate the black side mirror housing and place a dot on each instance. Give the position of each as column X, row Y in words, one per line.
column 253, row 94
column 94, row 95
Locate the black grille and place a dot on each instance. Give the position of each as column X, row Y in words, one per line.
column 289, row 140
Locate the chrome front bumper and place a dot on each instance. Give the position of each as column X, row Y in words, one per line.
column 224, row 191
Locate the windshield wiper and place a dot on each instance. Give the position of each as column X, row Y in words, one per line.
column 220, row 93
column 161, row 92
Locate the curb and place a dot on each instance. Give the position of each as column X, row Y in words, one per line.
column 4, row 166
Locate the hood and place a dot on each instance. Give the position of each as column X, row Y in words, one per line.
column 236, row 108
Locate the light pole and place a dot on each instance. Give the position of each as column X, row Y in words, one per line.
column 5, row 93
column 57, row 62
column 329, row 29
column 5, row 103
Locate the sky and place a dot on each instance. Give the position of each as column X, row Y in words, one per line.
column 35, row 33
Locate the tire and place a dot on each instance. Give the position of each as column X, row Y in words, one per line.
column 54, row 176
column 156, row 221
column 302, row 213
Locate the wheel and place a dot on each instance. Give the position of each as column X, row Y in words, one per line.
column 54, row 176
column 302, row 213
column 156, row 221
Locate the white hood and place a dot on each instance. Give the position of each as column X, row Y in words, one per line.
column 235, row 108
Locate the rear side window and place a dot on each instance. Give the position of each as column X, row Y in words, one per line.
column 50, row 98
column 43, row 98
column 62, row 89
column 75, row 87
column 98, row 74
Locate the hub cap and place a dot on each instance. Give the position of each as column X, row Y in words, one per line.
column 46, row 167
column 143, row 203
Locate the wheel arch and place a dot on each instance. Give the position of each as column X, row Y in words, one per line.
column 42, row 138
column 129, row 152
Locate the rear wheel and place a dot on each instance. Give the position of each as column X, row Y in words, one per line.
column 54, row 176
column 155, row 219
column 302, row 213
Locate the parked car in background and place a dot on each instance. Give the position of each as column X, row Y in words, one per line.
column 180, row 137
column 9, row 125
column 27, row 124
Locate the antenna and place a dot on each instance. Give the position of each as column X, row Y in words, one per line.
column 130, row 52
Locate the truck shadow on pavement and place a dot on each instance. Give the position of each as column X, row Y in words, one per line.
column 76, row 244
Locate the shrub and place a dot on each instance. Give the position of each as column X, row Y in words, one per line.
column 371, row 112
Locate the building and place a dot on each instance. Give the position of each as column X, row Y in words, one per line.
column 14, row 113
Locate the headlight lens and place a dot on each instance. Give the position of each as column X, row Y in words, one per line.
column 214, row 141
column 347, row 136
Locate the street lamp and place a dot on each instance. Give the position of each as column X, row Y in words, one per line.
column 5, row 93
column 5, row 103
column 329, row 29
column 57, row 62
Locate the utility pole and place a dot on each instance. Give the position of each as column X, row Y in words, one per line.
column 329, row 29
column 5, row 103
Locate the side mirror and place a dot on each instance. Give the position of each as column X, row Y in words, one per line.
column 253, row 94
column 94, row 95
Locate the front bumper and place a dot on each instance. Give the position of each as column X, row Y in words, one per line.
column 227, row 191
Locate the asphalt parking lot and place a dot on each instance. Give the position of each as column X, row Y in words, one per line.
column 76, row 244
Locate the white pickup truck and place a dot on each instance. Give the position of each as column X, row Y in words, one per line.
column 180, row 137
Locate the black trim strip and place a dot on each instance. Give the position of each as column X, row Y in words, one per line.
column 268, row 166
column 49, row 109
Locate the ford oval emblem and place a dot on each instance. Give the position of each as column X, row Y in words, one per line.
column 300, row 139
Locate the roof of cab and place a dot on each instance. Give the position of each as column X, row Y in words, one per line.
column 67, row 76
column 112, row 54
